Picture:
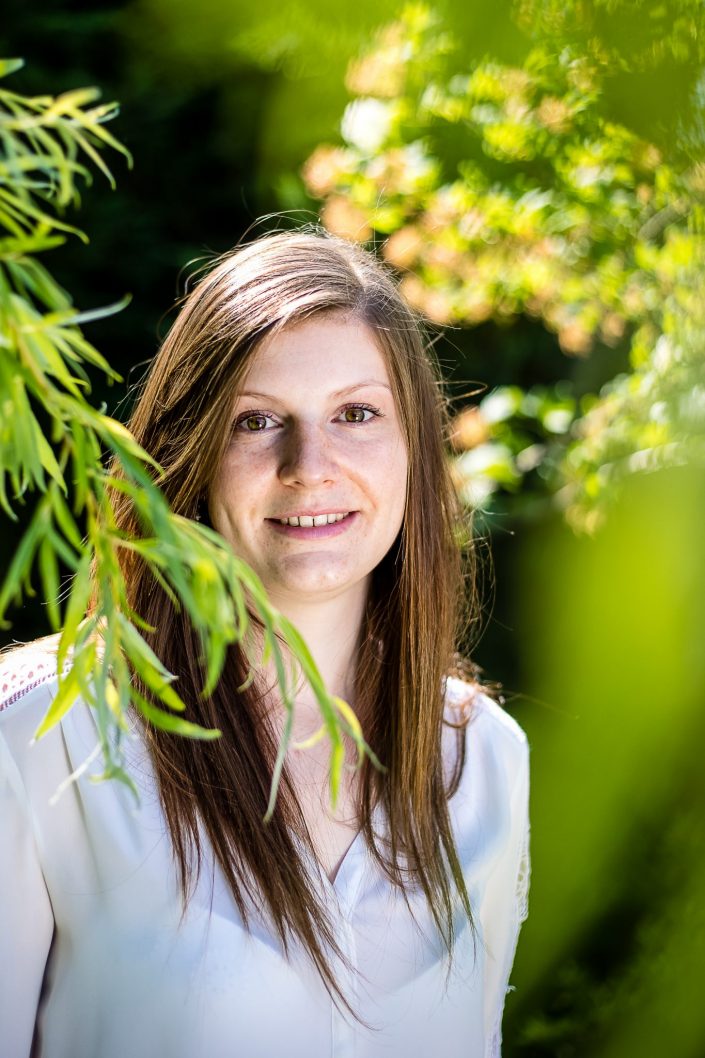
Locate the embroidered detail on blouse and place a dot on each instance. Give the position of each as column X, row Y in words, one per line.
column 23, row 670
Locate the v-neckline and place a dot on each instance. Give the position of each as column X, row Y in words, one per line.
column 341, row 878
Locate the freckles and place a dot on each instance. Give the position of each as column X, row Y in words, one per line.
column 243, row 463
column 384, row 447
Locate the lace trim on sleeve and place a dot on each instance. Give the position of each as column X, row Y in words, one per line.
column 521, row 913
column 21, row 671
column 523, row 879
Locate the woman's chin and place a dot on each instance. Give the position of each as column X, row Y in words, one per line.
column 313, row 584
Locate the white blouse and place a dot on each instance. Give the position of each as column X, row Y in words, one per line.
column 97, row 962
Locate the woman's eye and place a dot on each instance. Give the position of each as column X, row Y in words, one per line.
column 359, row 413
column 254, row 422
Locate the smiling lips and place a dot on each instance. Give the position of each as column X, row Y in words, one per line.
column 308, row 520
column 313, row 526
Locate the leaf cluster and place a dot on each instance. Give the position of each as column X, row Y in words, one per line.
column 54, row 443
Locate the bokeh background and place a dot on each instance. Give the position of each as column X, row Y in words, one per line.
column 534, row 172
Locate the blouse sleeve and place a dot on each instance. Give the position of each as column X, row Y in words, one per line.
column 26, row 920
column 506, row 903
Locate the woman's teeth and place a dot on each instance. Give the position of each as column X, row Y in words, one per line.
column 308, row 520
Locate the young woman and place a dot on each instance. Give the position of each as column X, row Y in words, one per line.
column 295, row 407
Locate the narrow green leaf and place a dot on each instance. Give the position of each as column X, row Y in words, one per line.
column 174, row 724
column 137, row 647
column 63, row 552
column 34, row 277
column 279, row 765
column 42, row 357
column 77, row 319
column 337, row 756
column 215, row 659
column 4, row 502
column 65, row 520
column 25, row 427
column 48, row 459
column 139, row 622
column 21, row 564
column 76, row 607
column 8, row 66
column 249, row 679
column 29, row 211
column 79, row 458
column 9, row 222
column 122, row 440
column 298, row 644
column 66, row 695
column 101, row 133
column 85, row 145
column 114, row 771
column 69, row 102
column 49, row 570
column 160, row 687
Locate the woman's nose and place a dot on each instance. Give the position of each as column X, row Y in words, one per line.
column 307, row 457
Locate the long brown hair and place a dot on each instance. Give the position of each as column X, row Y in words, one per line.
column 416, row 610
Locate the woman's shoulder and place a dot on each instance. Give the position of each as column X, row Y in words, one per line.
column 28, row 683
column 493, row 785
column 23, row 665
column 469, row 702
column 39, row 767
column 496, row 747
column 24, row 669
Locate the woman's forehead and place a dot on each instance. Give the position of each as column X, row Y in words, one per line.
column 330, row 352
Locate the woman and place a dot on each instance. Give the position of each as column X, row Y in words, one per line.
column 294, row 406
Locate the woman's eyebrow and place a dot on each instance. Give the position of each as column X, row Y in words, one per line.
column 370, row 382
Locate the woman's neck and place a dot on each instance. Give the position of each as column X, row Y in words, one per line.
column 331, row 629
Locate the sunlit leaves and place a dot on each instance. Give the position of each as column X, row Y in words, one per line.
column 498, row 191
column 622, row 33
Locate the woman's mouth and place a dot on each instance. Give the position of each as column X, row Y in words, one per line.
column 313, row 526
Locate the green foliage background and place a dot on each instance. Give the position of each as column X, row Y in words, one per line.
column 597, row 642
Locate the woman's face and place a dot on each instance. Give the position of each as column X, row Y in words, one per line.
column 315, row 434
